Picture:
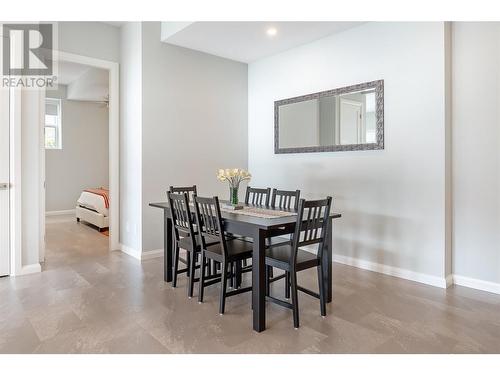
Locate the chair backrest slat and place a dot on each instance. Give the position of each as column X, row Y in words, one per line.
column 209, row 221
column 257, row 196
column 282, row 199
column 312, row 225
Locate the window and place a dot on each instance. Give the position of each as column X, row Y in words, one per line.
column 53, row 124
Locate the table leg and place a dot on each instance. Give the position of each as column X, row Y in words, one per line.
column 327, row 263
column 167, row 248
column 259, row 281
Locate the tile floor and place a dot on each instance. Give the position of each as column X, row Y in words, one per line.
column 88, row 300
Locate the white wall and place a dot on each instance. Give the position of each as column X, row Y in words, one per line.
column 194, row 122
column 131, row 136
column 83, row 160
column 476, row 150
column 393, row 200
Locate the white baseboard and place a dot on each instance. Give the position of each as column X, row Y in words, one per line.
column 30, row 268
column 57, row 213
column 139, row 255
column 449, row 280
column 483, row 285
column 439, row 282
column 130, row 251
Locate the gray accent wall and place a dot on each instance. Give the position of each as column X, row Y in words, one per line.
column 194, row 122
column 93, row 39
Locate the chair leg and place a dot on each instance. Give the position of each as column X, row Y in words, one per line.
column 209, row 267
column 295, row 298
column 322, row 300
column 287, row 285
column 268, row 284
column 176, row 264
column 223, row 287
column 202, row 277
column 231, row 270
column 238, row 274
column 192, row 272
column 188, row 261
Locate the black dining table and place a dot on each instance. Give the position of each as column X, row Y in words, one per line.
column 259, row 229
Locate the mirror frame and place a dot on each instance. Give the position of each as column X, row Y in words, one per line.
column 379, row 113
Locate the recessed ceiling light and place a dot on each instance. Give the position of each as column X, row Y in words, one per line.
column 271, row 31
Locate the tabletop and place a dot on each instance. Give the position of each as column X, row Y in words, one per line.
column 264, row 223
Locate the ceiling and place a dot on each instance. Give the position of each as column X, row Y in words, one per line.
column 249, row 41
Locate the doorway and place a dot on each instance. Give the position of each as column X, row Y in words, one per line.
column 92, row 70
column 76, row 141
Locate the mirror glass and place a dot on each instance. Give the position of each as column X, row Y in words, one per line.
column 330, row 121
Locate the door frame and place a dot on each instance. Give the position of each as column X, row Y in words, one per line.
column 114, row 148
column 15, row 120
column 361, row 128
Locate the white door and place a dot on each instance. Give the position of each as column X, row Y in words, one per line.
column 4, row 183
column 350, row 122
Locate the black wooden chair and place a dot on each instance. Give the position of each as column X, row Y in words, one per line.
column 184, row 237
column 190, row 191
column 283, row 200
column 258, row 197
column 214, row 246
column 311, row 228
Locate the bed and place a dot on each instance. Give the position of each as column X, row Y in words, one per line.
column 93, row 207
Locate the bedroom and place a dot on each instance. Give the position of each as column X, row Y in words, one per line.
column 77, row 164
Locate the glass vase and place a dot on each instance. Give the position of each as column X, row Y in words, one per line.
column 233, row 195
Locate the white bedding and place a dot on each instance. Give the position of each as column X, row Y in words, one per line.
column 93, row 202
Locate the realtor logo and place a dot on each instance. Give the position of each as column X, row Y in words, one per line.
column 29, row 55
column 28, row 50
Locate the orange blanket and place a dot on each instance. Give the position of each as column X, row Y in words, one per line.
column 102, row 192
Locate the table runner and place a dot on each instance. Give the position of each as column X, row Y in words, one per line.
column 259, row 212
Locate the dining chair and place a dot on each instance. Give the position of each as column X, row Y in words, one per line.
column 184, row 237
column 311, row 228
column 283, row 200
column 214, row 246
column 257, row 196
column 190, row 190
